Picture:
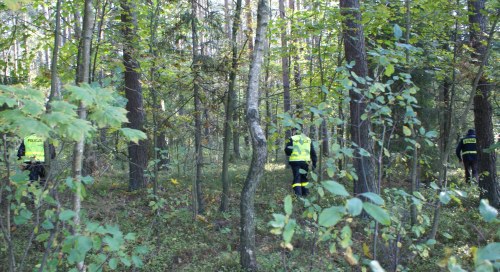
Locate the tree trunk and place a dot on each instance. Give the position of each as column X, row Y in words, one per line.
column 83, row 77
column 197, row 194
column 248, row 258
column 229, row 110
column 285, row 65
column 354, row 47
column 137, row 152
column 482, row 106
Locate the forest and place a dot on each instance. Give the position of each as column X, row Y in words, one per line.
column 165, row 135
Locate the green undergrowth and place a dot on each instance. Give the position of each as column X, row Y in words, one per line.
column 178, row 241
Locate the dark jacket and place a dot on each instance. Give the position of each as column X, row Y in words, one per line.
column 467, row 148
column 289, row 150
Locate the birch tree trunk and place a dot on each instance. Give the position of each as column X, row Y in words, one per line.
column 82, row 77
column 248, row 258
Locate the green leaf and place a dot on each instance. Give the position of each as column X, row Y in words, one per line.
column 137, row 261
column 84, row 244
column 125, row 261
column 447, row 235
column 92, row 226
column 113, row 263
column 113, row 243
column 489, row 252
column 66, row 215
column 47, row 224
column 389, row 70
column 141, row 250
column 133, row 135
column 279, row 221
column 23, row 217
column 330, row 217
column 364, row 153
column 444, row 197
column 130, row 236
column 431, row 134
column 289, row 230
column 374, row 197
column 288, row 205
column 488, row 212
column 354, row 206
column 397, row 32
column 431, row 242
column 377, row 213
column 42, row 237
column 406, row 131
column 335, row 188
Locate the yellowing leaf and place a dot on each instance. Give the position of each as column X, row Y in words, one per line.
column 366, row 251
column 174, row 181
column 349, row 257
column 406, row 131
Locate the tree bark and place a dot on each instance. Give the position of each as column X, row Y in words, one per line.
column 354, row 47
column 483, row 113
column 285, row 65
column 137, row 152
column 197, row 194
column 248, row 258
column 82, row 77
column 230, row 110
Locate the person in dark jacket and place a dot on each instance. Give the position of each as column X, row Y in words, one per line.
column 32, row 152
column 300, row 152
column 467, row 153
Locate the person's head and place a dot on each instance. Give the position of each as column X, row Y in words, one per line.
column 297, row 129
column 471, row 132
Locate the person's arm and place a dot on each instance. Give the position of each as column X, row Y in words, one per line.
column 21, row 151
column 289, row 147
column 458, row 150
column 314, row 157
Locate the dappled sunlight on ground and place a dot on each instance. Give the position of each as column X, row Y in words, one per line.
column 274, row 166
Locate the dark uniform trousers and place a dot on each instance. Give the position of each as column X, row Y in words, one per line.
column 300, row 179
column 471, row 166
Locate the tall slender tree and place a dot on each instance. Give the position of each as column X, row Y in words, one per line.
column 197, row 194
column 137, row 152
column 483, row 113
column 354, row 48
column 248, row 258
column 230, row 109
column 285, row 63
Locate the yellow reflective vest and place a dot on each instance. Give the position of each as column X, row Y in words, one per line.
column 301, row 148
column 33, row 146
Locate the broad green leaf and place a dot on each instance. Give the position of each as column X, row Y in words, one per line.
column 66, row 215
column 377, row 213
column 329, row 217
column 364, row 153
column 141, row 250
column 489, row 252
column 130, row 236
column 354, row 206
column 47, row 224
column 397, row 32
column 109, row 116
column 137, row 261
column 289, row 230
column 113, row 263
column 444, row 197
column 335, row 188
column 431, row 242
column 279, row 221
column 488, row 212
column 114, row 243
column 133, row 135
column 374, row 197
column 288, row 205
column 389, row 70
column 23, row 217
column 406, row 131
column 42, row 237
column 431, row 134
column 125, row 261
column 83, row 244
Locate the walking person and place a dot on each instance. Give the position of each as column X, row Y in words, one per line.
column 32, row 152
column 467, row 153
column 300, row 152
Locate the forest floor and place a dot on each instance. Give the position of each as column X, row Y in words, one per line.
column 178, row 242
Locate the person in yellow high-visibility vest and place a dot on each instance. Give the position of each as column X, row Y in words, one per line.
column 300, row 152
column 467, row 153
column 32, row 152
